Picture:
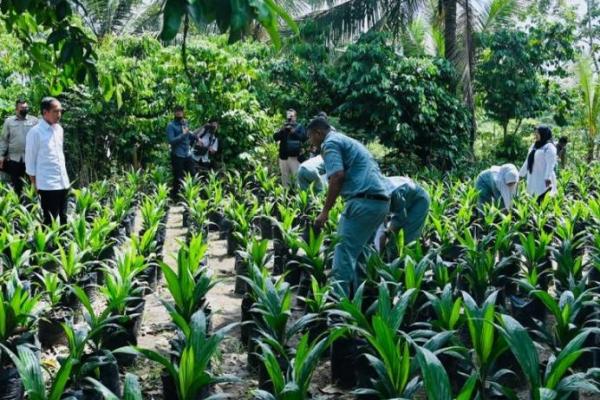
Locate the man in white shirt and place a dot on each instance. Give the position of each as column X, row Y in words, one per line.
column 12, row 144
column 45, row 162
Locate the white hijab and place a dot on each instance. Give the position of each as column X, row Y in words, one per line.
column 504, row 175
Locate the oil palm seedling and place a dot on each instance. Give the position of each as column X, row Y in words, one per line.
column 567, row 312
column 556, row 380
column 293, row 382
column 50, row 330
column 313, row 259
column 447, row 309
column 486, row 344
column 255, row 255
column 189, row 286
column 32, row 376
column 568, row 253
column 124, row 301
column 18, row 311
column 190, row 378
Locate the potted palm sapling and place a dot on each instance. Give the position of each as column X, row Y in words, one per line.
column 190, row 378
column 50, row 331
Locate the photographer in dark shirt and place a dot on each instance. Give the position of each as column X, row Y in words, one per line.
column 291, row 139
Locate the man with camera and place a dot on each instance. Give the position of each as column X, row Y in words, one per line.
column 206, row 144
column 291, row 138
column 180, row 138
column 12, row 144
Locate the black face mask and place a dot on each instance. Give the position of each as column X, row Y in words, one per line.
column 23, row 112
column 179, row 118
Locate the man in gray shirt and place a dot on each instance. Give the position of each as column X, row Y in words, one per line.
column 12, row 144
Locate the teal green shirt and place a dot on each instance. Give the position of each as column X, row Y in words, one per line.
column 486, row 186
column 404, row 194
column 362, row 174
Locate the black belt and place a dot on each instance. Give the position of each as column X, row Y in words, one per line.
column 369, row 196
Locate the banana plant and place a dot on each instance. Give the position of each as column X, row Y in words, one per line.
column 191, row 374
column 556, row 381
column 32, row 376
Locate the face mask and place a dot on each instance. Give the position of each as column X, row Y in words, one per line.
column 23, row 112
column 179, row 118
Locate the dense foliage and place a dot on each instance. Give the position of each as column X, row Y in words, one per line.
column 408, row 103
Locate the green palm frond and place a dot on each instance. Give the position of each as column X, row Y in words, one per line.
column 346, row 20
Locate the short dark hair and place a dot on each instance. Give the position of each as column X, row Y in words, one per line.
column 46, row 104
column 178, row 107
column 563, row 140
column 20, row 101
column 292, row 110
column 320, row 124
column 211, row 120
column 322, row 114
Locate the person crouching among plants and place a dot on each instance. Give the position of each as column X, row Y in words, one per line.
column 353, row 174
column 498, row 183
column 311, row 172
column 409, row 206
column 540, row 164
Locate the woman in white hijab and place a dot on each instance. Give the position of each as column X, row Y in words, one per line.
column 498, row 183
column 540, row 164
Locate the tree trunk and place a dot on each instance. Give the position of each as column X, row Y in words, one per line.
column 505, row 131
column 590, row 31
column 449, row 7
column 591, row 147
column 470, row 49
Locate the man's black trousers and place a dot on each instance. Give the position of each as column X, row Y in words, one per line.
column 54, row 205
column 181, row 166
column 16, row 170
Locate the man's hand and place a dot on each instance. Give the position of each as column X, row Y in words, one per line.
column 548, row 182
column 321, row 220
column 212, row 151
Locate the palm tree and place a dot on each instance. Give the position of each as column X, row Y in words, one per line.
column 118, row 17
column 459, row 20
column 589, row 88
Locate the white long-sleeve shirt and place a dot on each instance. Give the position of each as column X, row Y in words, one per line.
column 543, row 169
column 44, row 157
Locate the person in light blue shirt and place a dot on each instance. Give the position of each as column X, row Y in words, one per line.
column 180, row 138
column 353, row 174
column 409, row 206
column 311, row 172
